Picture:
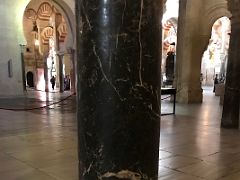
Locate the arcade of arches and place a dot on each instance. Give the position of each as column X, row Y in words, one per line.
column 122, row 53
column 45, row 53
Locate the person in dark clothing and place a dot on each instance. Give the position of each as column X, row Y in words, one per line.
column 215, row 82
column 53, row 81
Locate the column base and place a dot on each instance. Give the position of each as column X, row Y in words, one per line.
column 189, row 95
column 230, row 115
column 228, row 125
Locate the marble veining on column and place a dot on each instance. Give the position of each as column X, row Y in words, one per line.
column 118, row 88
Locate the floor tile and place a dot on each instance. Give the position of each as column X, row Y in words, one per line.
column 178, row 162
column 42, row 144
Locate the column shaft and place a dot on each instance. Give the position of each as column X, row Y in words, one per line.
column 23, row 67
column 46, row 78
column 73, row 71
column 118, row 71
column 188, row 56
column 230, row 115
column 61, row 78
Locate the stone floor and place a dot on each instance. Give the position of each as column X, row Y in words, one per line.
column 41, row 144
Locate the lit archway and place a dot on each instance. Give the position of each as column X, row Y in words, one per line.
column 169, row 39
column 49, row 31
column 30, row 79
column 214, row 59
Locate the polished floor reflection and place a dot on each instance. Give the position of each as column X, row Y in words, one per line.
column 41, row 144
column 193, row 146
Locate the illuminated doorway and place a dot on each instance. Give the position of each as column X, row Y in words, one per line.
column 169, row 39
column 30, row 79
column 47, row 34
column 214, row 60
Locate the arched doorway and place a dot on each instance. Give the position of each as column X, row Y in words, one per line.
column 169, row 38
column 49, row 35
column 30, row 79
column 214, row 60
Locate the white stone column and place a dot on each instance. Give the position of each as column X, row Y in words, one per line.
column 73, row 70
column 60, row 70
column 46, row 78
column 59, row 63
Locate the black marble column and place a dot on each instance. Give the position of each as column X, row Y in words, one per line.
column 230, row 115
column 118, row 71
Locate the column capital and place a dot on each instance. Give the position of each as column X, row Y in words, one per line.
column 60, row 53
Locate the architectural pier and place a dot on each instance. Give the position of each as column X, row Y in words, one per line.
column 231, row 105
column 118, row 88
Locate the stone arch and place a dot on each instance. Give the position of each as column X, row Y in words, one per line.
column 170, row 23
column 30, row 14
column 212, row 15
column 174, row 22
column 46, row 34
column 44, row 11
column 68, row 15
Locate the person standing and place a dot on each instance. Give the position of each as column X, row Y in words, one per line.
column 53, row 81
column 215, row 82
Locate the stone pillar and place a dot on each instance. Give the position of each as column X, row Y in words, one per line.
column 118, row 71
column 189, row 52
column 57, row 19
column 73, row 70
column 46, row 78
column 22, row 47
column 230, row 115
column 60, row 70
